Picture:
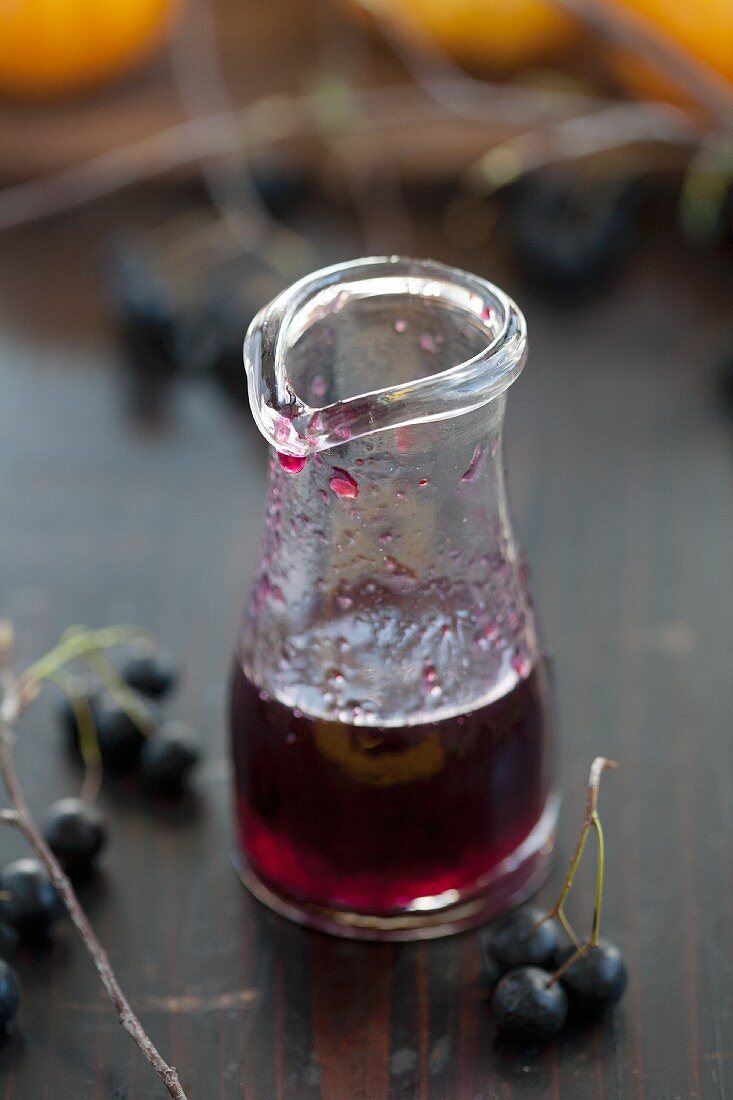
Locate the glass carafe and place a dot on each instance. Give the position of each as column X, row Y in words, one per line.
column 390, row 720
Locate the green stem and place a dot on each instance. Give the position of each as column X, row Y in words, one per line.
column 569, row 930
column 600, row 870
column 125, row 699
column 87, row 736
column 573, row 867
column 77, row 642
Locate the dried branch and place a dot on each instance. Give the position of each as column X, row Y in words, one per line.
column 614, row 127
column 14, row 700
column 278, row 118
column 643, row 37
column 590, row 821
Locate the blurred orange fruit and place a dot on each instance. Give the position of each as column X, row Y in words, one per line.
column 51, row 47
column 703, row 28
column 496, row 35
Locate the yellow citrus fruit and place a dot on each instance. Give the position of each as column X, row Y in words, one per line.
column 52, row 47
column 703, row 29
column 494, row 35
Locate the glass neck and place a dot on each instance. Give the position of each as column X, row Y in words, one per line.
column 409, row 591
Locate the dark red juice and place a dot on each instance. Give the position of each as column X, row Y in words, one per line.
column 370, row 818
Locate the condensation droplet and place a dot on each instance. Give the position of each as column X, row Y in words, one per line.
column 520, row 665
column 427, row 343
column 400, row 325
column 292, row 464
column 472, row 472
column 318, row 386
column 343, row 484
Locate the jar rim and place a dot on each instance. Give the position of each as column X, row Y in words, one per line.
column 296, row 428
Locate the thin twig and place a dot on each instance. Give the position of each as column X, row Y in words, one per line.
column 600, row 867
column 87, row 735
column 20, row 818
column 579, row 138
column 590, row 821
column 276, row 118
column 645, row 38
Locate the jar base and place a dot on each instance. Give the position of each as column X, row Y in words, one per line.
column 513, row 881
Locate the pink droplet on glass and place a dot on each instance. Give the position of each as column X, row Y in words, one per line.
column 486, row 313
column 427, row 343
column 343, row 484
column 472, row 472
column 520, row 665
column 318, row 386
column 292, row 464
column 400, row 325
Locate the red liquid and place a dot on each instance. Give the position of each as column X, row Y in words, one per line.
column 370, row 818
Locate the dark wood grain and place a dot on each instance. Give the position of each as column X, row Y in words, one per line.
column 620, row 466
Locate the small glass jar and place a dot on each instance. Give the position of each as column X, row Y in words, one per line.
column 390, row 719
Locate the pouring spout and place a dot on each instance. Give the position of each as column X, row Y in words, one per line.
column 376, row 344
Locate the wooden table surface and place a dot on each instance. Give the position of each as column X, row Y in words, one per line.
column 620, row 470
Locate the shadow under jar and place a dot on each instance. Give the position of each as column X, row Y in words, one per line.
column 389, row 714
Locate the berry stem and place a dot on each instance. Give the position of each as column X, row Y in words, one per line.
column 600, row 870
column 590, row 821
column 88, row 740
column 78, row 642
column 126, row 700
column 15, row 698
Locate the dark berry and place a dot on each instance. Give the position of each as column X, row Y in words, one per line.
column 28, row 898
column 9, row 993
column 597, row 979
column 153, row 674
column 144, row 304
column 527, row 1008
column 75, row 833
column 569, row 236
column 9, row 940
column 519, row 941
column 279, row 184
column 120, row 738
column 168, row 758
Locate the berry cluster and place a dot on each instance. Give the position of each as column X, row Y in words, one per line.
column 113, row 720
column 536, row 980
column 541, row 981
column 111, row 725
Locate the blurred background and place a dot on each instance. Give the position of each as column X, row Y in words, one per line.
column 170, row 164
column 166, row 166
